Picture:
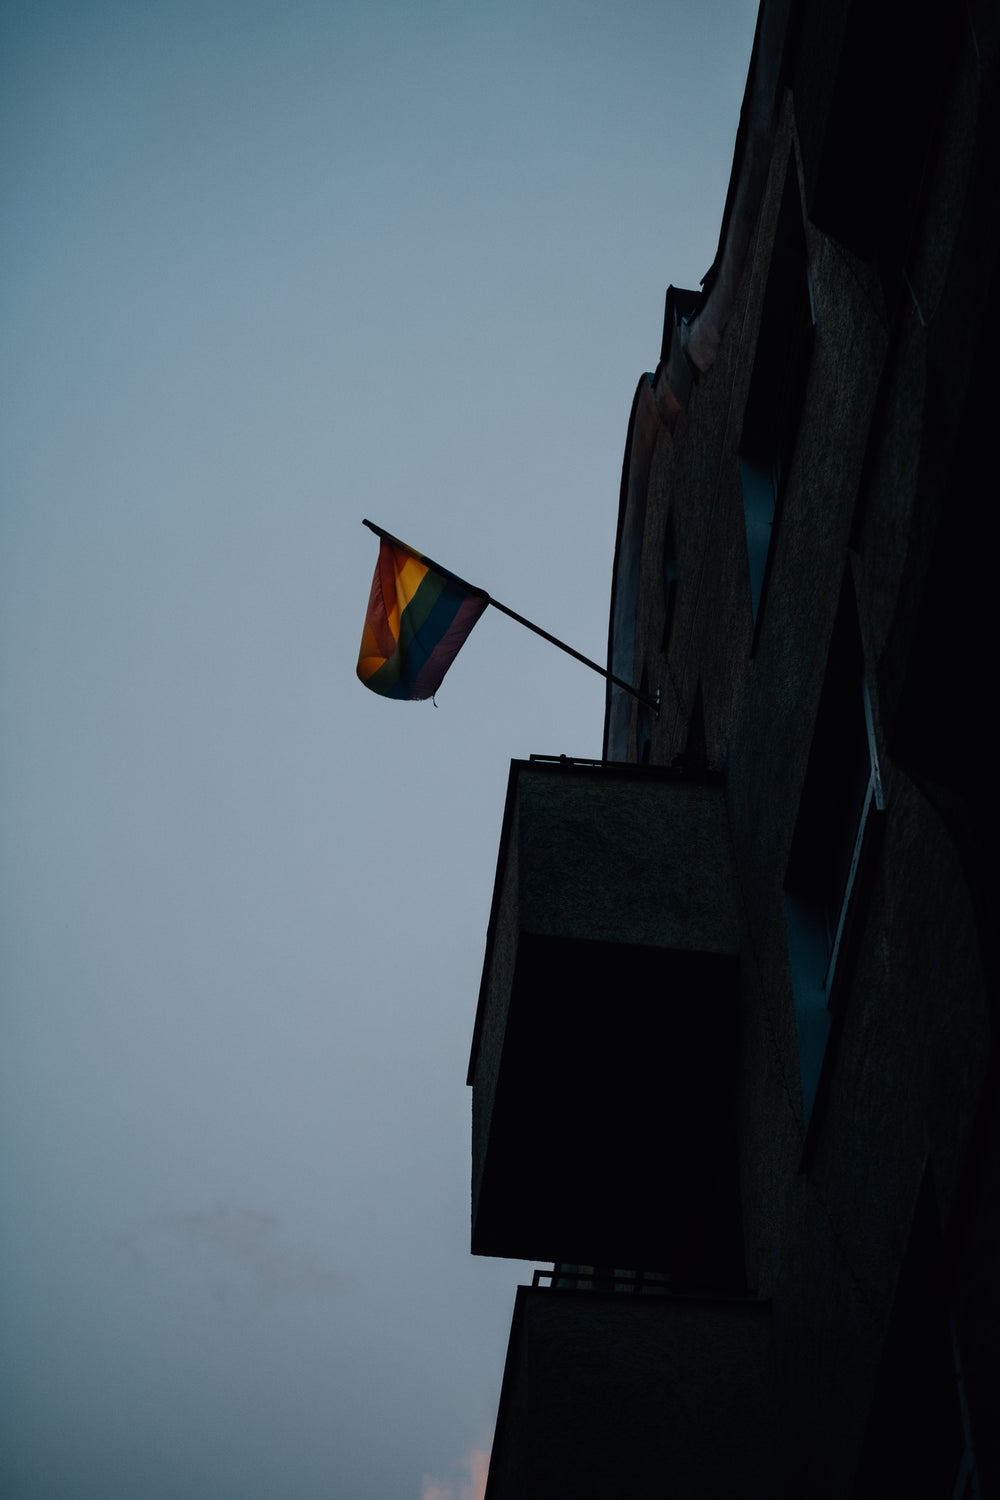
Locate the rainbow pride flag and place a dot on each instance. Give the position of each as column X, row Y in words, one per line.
column 419, row 616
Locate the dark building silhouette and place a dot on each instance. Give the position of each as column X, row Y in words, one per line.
column 735, row 1066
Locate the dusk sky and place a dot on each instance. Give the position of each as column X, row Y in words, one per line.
column 270, row 268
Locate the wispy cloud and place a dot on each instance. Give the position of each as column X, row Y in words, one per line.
column 476, row 1465
column 245, row 1241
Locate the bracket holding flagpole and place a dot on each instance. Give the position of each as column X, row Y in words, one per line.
column 647, row 698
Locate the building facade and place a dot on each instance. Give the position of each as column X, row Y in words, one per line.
column 735, row 1066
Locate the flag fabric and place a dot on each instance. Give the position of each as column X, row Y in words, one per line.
column 418, row 618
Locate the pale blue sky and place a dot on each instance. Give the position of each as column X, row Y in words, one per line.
column 271, row 267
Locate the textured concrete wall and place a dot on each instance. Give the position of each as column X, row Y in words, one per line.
column 625, row 858
column 629, row 1396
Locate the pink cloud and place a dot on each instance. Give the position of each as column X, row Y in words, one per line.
column 476, row 1465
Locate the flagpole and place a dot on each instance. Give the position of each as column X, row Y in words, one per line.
column 394, row 541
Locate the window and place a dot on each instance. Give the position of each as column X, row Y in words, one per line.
column 759, row 479
column 840, row 796
column 777, row 385
column 868, row 85
column 696, row 744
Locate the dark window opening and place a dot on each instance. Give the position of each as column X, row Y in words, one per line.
column 696, row 747
column 777, row 386
column 833, row 831
column 867, row 122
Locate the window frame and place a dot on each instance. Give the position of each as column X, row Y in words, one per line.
column 820, row 904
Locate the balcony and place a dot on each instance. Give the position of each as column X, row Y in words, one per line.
column 634, row 1396
column 603, row 1054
